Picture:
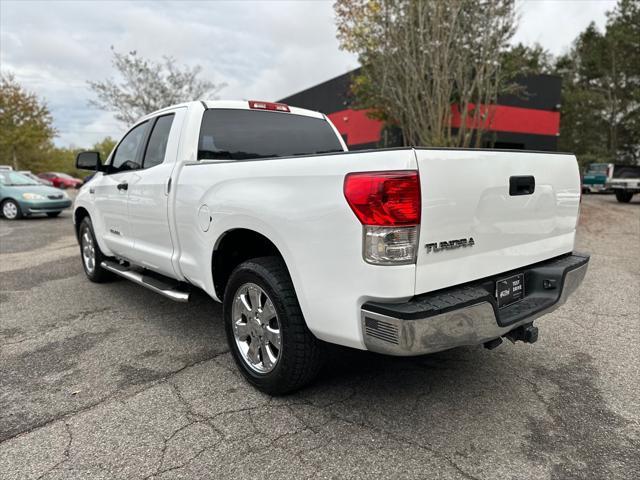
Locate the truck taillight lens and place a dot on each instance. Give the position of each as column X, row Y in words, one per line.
column 384, row 198
column 388, row 206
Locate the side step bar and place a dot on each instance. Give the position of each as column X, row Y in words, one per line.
column 172, row 292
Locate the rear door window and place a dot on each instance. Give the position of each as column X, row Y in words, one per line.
column 229, row 134
column 157, row 145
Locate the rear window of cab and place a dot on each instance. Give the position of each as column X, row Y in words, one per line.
column 230, row 134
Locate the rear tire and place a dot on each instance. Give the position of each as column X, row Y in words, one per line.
column 265, row 281
column 11, row 210
column 90, row 253
column 623, row 197
column 53, row 214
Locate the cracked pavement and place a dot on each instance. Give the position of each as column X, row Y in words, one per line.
column 113, row 381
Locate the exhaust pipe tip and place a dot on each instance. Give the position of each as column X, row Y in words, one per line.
column 491, row 344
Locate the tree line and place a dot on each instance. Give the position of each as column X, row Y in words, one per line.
column 418, row 59
column 143, row 86
column 421, row 57
column 27, row 133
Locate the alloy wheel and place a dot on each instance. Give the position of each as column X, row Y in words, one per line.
column 88, row 251
column 256, row 328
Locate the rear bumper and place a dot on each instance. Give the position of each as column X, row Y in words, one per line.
column 468, row 314
column 626, row 185
column 596, row 187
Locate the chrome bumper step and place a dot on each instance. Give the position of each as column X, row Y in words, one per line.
column 167, row 288
column 469, row 315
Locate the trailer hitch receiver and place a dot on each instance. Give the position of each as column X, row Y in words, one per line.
column 526, row 333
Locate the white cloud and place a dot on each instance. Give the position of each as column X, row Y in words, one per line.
column 263, row 50
column 554, row 24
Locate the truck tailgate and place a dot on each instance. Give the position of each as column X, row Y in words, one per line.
column 475, row 225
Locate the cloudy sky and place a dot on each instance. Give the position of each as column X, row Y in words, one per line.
column 265, row 50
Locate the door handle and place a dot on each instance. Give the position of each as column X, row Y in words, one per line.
column 522, row 185
column 123, row 186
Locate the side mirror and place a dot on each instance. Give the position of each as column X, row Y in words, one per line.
column 89, row 161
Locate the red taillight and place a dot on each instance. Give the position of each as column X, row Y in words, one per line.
column 278, row 107
column 384, row 198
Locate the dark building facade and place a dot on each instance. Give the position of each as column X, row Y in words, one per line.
column 529, row 120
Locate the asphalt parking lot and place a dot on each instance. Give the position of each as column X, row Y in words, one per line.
column 113, row 381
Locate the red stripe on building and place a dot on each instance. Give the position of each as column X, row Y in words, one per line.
column 501, row 118
column 356, row 126
column 360, row 129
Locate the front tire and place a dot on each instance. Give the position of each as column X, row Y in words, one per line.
column 11, row 210
column 90, row 253
column 266, row 332
column 623, row 197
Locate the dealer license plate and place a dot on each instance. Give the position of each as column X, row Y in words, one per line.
column 510, row 290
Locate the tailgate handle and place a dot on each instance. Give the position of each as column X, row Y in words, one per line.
column 522, row 185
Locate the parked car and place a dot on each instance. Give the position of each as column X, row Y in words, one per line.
column 22, row 196
column 393, row 251
column 596, row 177
column 6, row 167
column 33, row 176
column 625, row 182
column 61, row 180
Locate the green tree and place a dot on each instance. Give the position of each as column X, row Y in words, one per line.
column 421, row 57
column 105, row 146
column 57, row 159
column 26, row 129
column 145, row 86
column 524, row 60
column 63, row 159
column 409, row 78
column 601, row 90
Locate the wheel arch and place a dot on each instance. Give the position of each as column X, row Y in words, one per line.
column 235, row 246
column 78, row 215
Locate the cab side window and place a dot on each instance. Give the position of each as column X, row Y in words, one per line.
column 157, row 145
column 126, row 156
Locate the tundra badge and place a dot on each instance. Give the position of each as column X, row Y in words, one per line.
column 449, row 245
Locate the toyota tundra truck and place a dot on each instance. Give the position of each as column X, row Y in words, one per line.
column 403, row 251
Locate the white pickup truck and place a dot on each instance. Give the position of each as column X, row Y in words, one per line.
column 403, row 251
column 624, row 181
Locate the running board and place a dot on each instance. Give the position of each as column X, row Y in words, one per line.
column 152, row 283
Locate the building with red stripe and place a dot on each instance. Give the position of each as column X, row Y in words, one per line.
column 529, row 120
